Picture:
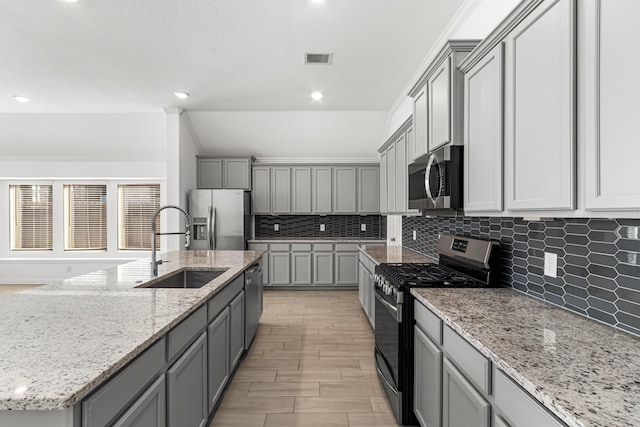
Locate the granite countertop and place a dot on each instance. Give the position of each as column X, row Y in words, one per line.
column 586, row 373
column 383, row 254
column 61, row 341
column 316, row 239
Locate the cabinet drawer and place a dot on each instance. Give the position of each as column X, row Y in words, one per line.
column 224, row 297
column 301, row 247
column 468, row 359
column 518, row 406
column 186, row 331
column 104, row 405
column 279, row 247
column 258, row 246
column 346, row 247
column 323, row 247
column 429, row 322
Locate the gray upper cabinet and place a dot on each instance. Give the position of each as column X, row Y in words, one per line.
column 394, row 161
column 462, row 405
column 281, row 190
column 439, row 106
column 483, row 110
column 344, row 189
column 391, row 179
column 209, row 173
column 149, row 410
column 540, row 109
column 261, row 193
column 368, row 189
column 219, row 172
column 236, row 173
column 609, row 97
column 427, row 374
column 322, row 189
column 301, row 190
column 383, row 183
column 420, row 123
column 402, row 175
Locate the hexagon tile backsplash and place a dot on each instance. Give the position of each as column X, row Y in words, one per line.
column 598, row 260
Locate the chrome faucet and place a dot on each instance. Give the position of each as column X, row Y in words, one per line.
column 187, row 235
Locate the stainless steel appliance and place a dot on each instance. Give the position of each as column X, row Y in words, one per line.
column 463, row 262
column 253, row 301
column 221, row 219
column 435, row 181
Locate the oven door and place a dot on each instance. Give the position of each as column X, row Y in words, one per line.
column 387, row 353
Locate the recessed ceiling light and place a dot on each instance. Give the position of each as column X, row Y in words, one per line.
column 21, row 98
column 182, row 95
column 70, row 1
column 316, row 1
column 317, row 96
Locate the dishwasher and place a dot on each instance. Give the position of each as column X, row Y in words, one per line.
column 253, row 301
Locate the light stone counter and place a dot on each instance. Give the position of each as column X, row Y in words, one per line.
column 586, row 373
column 59, row 342
column 394, row 254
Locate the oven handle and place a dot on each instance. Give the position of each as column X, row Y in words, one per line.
column 381, row 375
column 389, row 306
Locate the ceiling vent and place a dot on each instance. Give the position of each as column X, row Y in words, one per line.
column 318, row 58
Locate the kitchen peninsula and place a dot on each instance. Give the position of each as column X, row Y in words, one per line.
column 63, row 341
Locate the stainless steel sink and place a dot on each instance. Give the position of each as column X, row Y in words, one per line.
column 187, row 279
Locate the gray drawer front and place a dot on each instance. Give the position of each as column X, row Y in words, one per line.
column 224, row 297
column 468, row 359
column 518, row 406
column 111, row 398
column 186, row 331
column 258, row 246
column 323, row 247
column 346, row 247
column 301, row 247
column 428, row 322
column 279, row 247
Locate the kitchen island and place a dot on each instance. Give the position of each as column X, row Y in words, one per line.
column 62, row 341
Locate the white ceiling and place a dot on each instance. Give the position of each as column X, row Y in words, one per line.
column 231, row 55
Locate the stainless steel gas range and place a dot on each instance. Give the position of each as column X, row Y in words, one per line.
column 463, row 262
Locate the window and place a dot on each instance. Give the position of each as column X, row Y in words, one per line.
column 85, row 217
column 31, row 217
column 137, row 204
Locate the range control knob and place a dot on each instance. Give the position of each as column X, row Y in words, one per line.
column 388, row 290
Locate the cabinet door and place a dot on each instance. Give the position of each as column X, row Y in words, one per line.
column 411, row 144
column 301, row 190
column 236, row 329
column 344, row 190
column 218, row 356
column 361, row 288
column 369, row 189
column 391, row 179
column 462, row 405
column 261, row 190
column 439, row 106
column 427, row 379
column 210, row 173
column 402, row 175
column 323, row 268
column 611, row 108
column 321, row 192
column 420, row 123
column 347, row 268
column 301, row 268
column 483, row 134
column 236, row 174
column 187, row 387
column 372, row 300
column 149, row 410
column 539, row 109
column 383, row 183
column 281, row 190
column 279, row 266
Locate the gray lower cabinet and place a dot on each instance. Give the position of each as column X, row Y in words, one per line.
column 301, row 267
column 149, row 410
column 279, row 268
column 236, row 327
column 366, row 289
column 323, row 268
column 218, row 355
column 346, row 268
column 187, row 387
column 427, row 377
column 462, row 405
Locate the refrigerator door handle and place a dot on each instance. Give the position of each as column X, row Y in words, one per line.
column 209, row 228
column 213, row 228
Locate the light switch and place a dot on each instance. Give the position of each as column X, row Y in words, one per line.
column 321, row 227
column 363, row 227
column 415, row 234
column 276, row 227
column 550, row 264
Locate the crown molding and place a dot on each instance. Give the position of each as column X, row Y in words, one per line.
column 316, row 160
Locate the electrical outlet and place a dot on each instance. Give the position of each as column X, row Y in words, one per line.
column 321, row 227
column 550, row 264
column 415, row 234
column 276, row 227
column 363, row 227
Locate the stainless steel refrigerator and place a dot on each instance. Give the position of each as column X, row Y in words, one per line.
column 221, row 219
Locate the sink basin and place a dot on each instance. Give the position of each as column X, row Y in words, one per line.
column 187, row 279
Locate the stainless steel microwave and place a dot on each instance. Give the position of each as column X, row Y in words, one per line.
column 435, row 180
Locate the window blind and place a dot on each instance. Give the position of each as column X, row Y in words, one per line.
column 85, row 209
column 136, row 205
column 30, row 216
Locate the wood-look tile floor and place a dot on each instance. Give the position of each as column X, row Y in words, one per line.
column 311, row 364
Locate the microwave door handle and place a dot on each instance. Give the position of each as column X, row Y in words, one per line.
column 427, row 177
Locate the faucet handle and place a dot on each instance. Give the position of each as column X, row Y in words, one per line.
column 187, row 238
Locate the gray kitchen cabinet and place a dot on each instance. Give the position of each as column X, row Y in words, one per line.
column 366, row 292
column 383, row 183
column 483, row 142
column 462, row 405
column 427, row 375
column 261, row 190
column 420, row 123
column 411, row 144
column 361, row 288
column 346, row 265
column 391, row 179
column 236, row 173
column 300, row 190
column 218, row 356
column 439, row 106
column 236, row 330
column 344, row 189
column 323, row 268
column 540, row 109
column 280, row 267
column 322, row 189
column 402, row 175
column 209, row 172
column 281, row 190
column 187, row 387
column 368, row 189
column 499, row 422
column 395, row 158
column 609, row 99
column 301, row 264
column 149, row 410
